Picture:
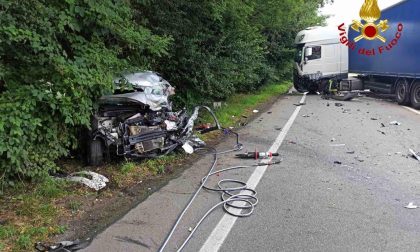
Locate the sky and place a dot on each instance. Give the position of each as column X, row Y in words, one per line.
column 347, row 10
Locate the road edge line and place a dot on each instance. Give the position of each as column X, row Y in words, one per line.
column 412, row 110
column 226, row 223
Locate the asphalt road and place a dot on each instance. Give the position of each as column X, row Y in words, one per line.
column 342, row 186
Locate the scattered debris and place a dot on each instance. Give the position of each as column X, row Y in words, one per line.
column 300, row 104
column 188, row 148
column 190, row 229
column 244, row 116
column 203, row 126
column 383, row 125
column 346, row 111
column 255, row 111
column 395, row 123
column 269, row 112
column 292, row 142
column 359, row 159
column 306, row 116
column 414, row 154
column 350, row 152
column 333, row 139
column 374, row 119
column 337, row 162
column 90, row 179
column 217, row 105
column 337, row 145
column 278, row 128
column 64, row 246
column 257, row 155
column 411, row 206
column 337, row 104
column 383, row 133
column 328, row 104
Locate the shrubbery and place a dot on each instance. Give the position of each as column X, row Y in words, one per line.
column 58, row 57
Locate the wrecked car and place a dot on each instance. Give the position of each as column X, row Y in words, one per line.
column 137, row 121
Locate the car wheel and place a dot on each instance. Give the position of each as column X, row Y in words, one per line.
column 415, row 95
column 96, row 152
column 402, row 92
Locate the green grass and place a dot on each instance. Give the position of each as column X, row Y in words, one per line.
column 242, row 104
column 32, row 209
column 32, row 214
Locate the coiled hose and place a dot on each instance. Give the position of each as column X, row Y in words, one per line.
column 247, row 201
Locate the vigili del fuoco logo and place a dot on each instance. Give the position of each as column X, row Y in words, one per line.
column 370, row 28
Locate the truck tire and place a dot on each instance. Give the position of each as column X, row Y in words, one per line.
column 402, row 92
column 415, row 95
column 96, row 152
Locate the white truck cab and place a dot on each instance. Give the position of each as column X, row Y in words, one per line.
column 319, row 57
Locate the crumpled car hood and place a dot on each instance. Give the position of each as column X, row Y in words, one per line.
column 151, row 90
column 155, row 102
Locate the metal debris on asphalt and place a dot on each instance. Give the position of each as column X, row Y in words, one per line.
column 383, row 133
column 300, row 104
column 306, row 116
column 396, row 123
column 337, row 162
column 350, row 152
column 411, row 206
column 337, row 104
column 374, row 119
column 414, row 154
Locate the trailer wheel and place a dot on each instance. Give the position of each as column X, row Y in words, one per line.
column 402, row 92
column 96, row 152
column 415, row 95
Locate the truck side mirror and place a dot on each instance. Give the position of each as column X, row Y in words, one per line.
column 308, row 52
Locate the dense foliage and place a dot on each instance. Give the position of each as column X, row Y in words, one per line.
column 58, row 57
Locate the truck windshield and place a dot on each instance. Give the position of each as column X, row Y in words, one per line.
column 298, row 53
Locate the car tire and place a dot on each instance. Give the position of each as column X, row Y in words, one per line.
column 96, row 152
column 415, row 95
column 402, row 92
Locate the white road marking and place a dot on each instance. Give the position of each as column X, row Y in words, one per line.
column 221, row 231
column 412, row 110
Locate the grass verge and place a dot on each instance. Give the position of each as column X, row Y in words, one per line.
column 240, row 106
column 31, row 213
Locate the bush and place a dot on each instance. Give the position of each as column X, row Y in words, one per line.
column 56, row 58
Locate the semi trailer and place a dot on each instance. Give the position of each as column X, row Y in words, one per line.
column 382, row 56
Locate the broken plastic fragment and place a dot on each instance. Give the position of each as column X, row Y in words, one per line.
column 411, row 206
column 188, row 148
column 255, row 111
